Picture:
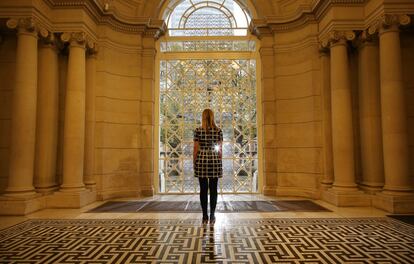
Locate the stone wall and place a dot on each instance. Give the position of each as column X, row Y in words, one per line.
column 117, row 114
column 297, row 83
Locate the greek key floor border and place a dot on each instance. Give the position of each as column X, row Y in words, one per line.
column 275, row 240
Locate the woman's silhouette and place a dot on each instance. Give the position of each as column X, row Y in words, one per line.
column 208, row 166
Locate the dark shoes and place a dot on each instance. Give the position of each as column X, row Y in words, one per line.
column 212, row 219
column 205, row 220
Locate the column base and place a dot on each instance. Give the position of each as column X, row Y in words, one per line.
column 396, row 204
column 47, row 190
column 269, row 190
column 75, row 199
column 325, row 185
column 342, row 197
column 370, row 189
column 21, row 205
column 147, row 191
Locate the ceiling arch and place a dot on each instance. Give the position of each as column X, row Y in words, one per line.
column 284, row 9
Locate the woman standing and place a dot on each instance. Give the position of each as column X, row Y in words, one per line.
column 208, row 168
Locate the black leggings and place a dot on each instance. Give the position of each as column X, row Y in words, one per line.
column 205, row 184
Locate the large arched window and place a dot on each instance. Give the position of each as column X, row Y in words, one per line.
column 206, row 18
column 207, row 60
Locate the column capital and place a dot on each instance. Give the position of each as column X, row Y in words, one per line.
column 338, row 37
column 91, row 49
column 25, row 25
column 78, row 39
column 388, row 22
column 365, row 38
column 48, row 39
column 324, row 48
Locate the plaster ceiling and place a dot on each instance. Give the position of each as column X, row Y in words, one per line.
column 264, row 8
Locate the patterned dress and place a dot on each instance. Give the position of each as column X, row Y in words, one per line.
column 208, row 163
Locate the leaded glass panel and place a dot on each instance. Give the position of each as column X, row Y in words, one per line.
column 228, row 87
column 208, row 45
column 206, row 18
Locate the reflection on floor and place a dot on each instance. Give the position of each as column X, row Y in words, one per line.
column 342, row 235
column 194, row 206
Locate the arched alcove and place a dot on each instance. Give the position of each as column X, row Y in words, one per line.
column 207, row 59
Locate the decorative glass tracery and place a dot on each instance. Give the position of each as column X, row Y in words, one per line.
column 228, row 87
column 206, row 18
column 208, row 45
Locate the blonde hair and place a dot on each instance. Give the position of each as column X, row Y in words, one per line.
column 208, row 119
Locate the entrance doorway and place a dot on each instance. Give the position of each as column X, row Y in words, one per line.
column 205, row 64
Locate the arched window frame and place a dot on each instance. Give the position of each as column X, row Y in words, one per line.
column 197, row 5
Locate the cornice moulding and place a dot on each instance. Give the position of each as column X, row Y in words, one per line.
column 111, row 18
column 130, row 48
column 341, row 25
column 295, row 46
column 305, row 15
column 324, row 5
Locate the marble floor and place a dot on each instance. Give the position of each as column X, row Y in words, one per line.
column 336, row 212
column 342, row 235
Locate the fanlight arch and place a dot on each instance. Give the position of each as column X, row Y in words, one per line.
column 207, row 18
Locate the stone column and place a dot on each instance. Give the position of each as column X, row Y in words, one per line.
column 394, row 119
column 47, row 115
column 89, row 177
column 74, row 126
column 72, row 193
column 370, row 114
column 24, row 98
column 397, row 196
column 342, row 128
column 327, row 179
column 344, row 191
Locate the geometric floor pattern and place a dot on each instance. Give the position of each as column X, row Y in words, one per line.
column 276, row 240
